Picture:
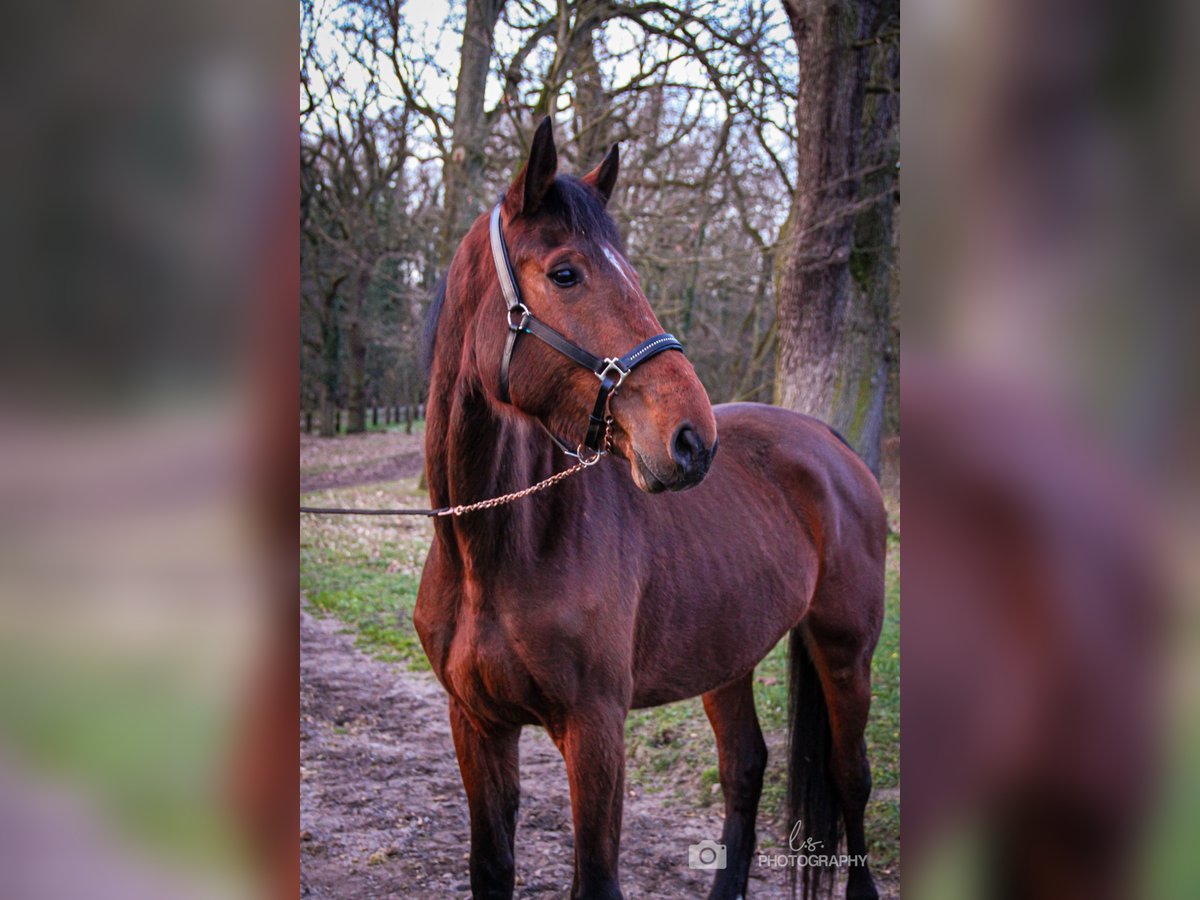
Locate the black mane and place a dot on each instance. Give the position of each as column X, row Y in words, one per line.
column 429, row 333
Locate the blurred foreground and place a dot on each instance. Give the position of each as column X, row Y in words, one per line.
column 1048, row 399
column 147, row 570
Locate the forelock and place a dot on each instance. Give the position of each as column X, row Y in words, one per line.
column 578, row 207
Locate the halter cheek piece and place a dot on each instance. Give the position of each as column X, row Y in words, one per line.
column 610, row 370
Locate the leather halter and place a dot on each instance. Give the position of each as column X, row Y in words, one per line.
column 610, row 370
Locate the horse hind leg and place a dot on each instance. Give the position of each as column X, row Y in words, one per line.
column 742, row 756
column 841, row 659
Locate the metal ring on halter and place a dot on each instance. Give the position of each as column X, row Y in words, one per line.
column 525, row 314
column 610, row 365
column 578, row 454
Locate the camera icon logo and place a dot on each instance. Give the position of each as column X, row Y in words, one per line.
column 706, row 855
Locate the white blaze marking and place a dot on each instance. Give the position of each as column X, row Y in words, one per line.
column 622, row 267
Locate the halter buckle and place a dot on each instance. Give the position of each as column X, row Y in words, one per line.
column 520, row 324
column 612, row 364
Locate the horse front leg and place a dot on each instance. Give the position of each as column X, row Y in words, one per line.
column 490, row 773
column 593, row 746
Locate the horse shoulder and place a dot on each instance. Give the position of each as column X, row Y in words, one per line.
column 436, row 611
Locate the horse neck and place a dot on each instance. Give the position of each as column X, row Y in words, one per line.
column 490, row 454
column 478, row 450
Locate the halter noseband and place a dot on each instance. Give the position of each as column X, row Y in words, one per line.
column 610, row 370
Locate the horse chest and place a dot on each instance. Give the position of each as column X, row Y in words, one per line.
column 514, row 667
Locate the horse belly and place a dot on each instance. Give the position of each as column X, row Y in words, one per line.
column 709, row 622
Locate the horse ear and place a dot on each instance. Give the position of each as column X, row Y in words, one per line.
column 534, row 180
column 604, row 177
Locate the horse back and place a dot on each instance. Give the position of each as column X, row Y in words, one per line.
column 817, row 473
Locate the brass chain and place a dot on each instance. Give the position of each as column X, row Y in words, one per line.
column 462, row 509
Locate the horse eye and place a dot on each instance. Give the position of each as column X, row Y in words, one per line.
column 564, row 277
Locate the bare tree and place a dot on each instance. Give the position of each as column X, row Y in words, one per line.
column 354, row 150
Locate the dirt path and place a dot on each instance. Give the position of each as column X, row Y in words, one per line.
column 382, row 809
column 356, row 459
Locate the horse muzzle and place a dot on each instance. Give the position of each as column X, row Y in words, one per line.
column 690, row 461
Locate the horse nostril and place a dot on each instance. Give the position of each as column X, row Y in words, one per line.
column 688, row 449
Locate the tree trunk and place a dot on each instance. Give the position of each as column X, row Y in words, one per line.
column 833, row 336
column 463, row 171
column 593, row 106
column 356, row 354
column 873, row 263
column 329, row 375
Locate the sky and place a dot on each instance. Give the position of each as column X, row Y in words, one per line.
column 435, row 29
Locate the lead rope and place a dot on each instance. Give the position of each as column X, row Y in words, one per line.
column 541, row 485
column 463, row 509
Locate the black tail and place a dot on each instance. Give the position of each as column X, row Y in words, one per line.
column 812, row 796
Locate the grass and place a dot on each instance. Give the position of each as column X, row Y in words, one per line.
column 365, row 573
column 418, row 427
column 375, row 604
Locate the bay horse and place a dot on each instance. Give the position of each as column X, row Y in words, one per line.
column 618, row 589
